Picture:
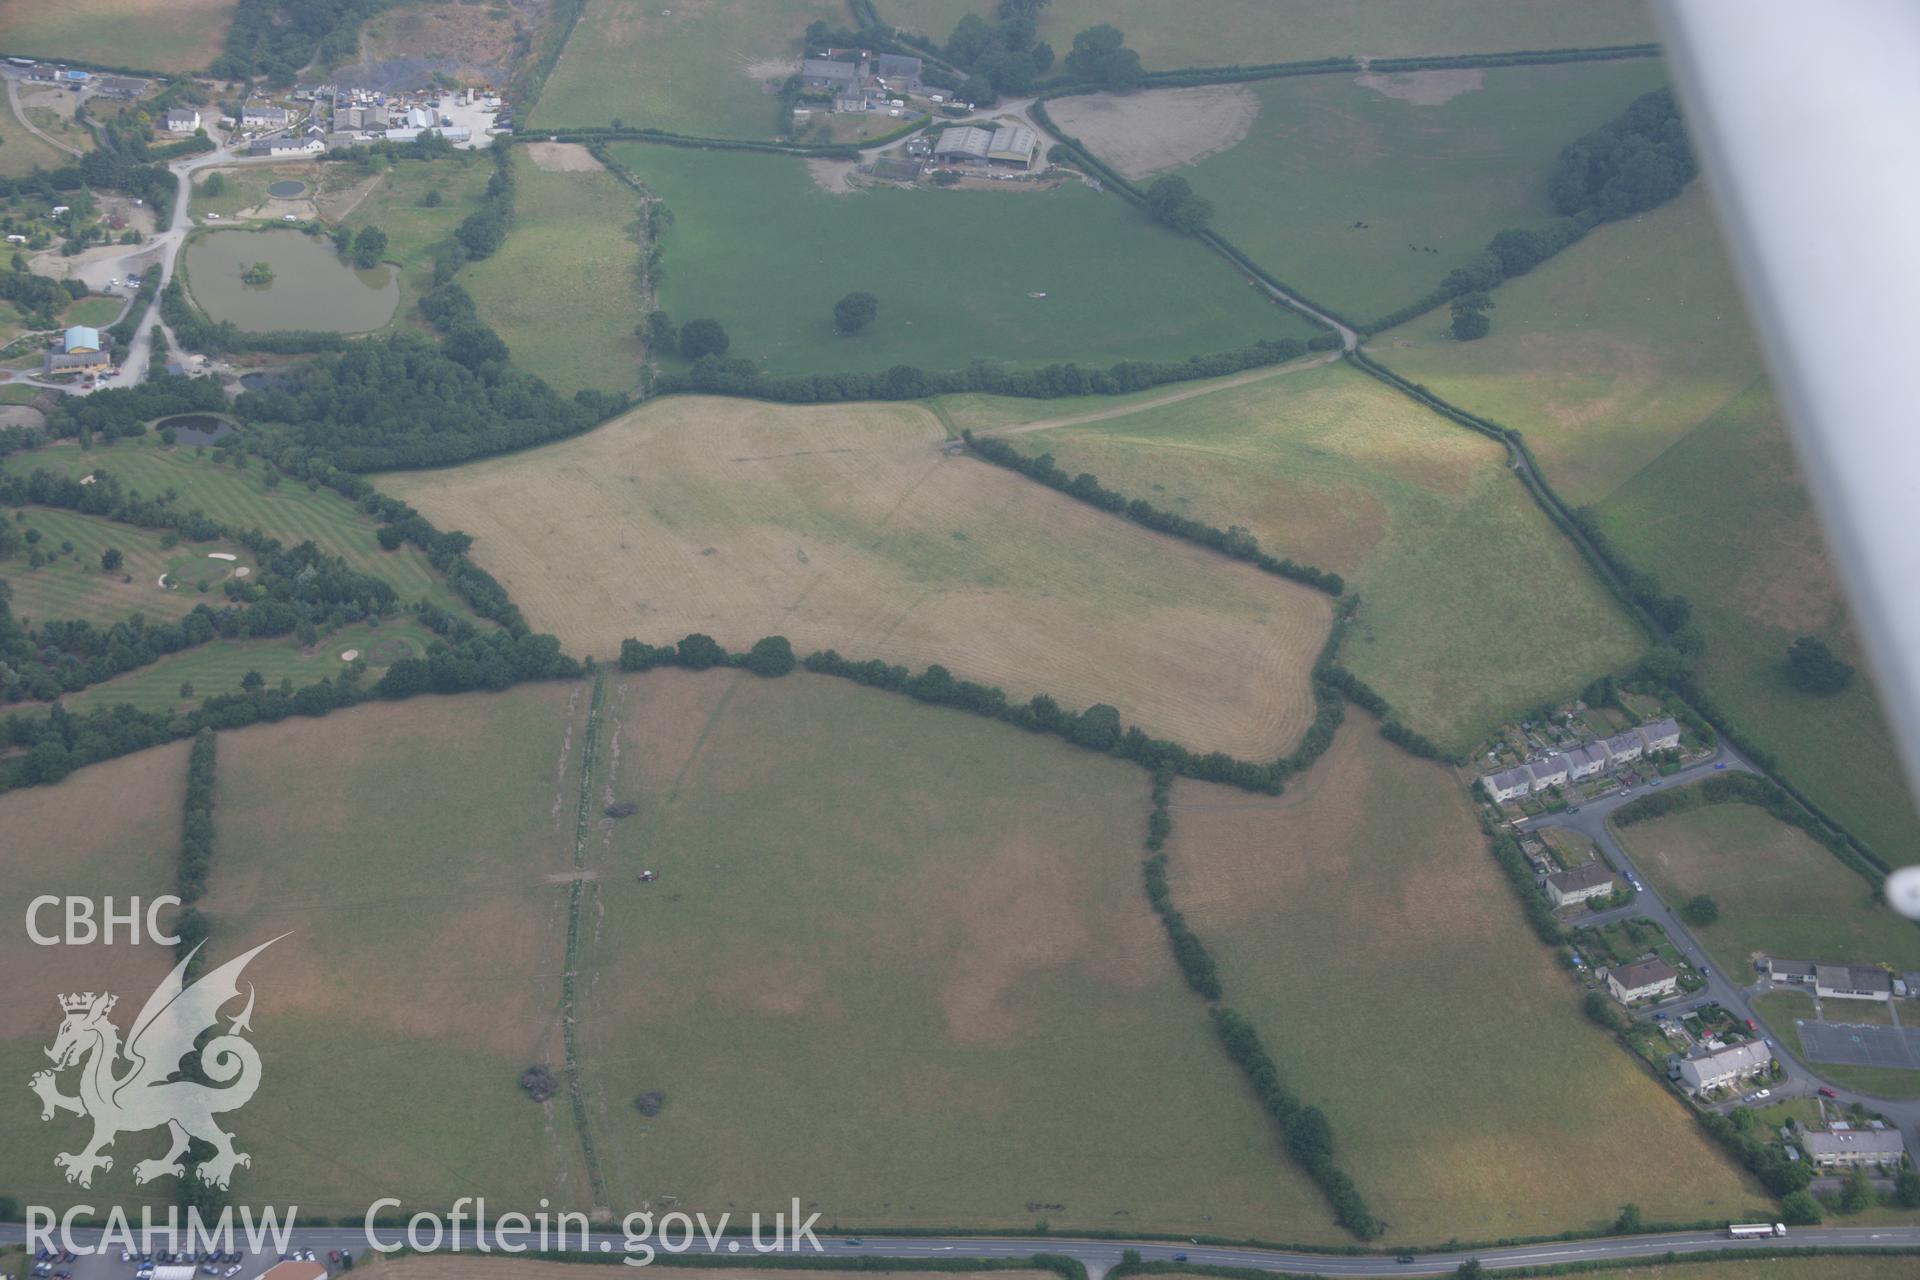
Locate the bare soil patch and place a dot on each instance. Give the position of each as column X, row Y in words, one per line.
column 1423, row 88
column 1142, row 134
column 848, row 528
column 470, row 42
column 835, row 177
column 563, row 157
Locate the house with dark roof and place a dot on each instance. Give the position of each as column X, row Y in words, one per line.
column 1711, row 1069
column 1588, row 880
column 1843, row 1146
column 1797, row 972
column 829, row 73
column 1852, row 982
column 898, row 70
column 1648, row 978
column 1508, row 784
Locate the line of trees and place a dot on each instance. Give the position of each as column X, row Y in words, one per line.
column 1191, row 954
column 196, row 843
column 1234, row 541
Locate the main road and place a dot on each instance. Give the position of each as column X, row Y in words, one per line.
column 1733, row 991
column 1099, row 1256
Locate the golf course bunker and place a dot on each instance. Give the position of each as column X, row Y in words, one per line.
column 286, row 188
column 348, row 655
column 311, row 288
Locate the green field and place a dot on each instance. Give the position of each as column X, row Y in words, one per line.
column 240, row 498
column 16, row 392
column 574, row 234
column 98, row 311
column 72, row 584
column 1779, row 892
column 219, row 666
column 1782, row 1008
column 699, row 69
column 21, row 152
column 183, row 36
column 1325, row 153
column 1604, row 355
column 1207, row 33
column 1359, row 922
column 955, row 271
column 1724, row 518
column 414, row 229
column 1473, row 607
column 899, row 957
column 111, row 828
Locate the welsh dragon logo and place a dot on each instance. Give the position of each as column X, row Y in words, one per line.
column 151, row 1091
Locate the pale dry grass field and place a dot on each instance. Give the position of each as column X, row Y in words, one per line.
column 849, row 528
column 1362, row 925
column 161, row 35
column 1141, row 134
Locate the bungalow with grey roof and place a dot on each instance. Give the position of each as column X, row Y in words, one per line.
column 1797, row 972
column 1852, row 982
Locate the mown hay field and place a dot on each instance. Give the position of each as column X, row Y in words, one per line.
column 1604, row 355
column 1419, row 173
column 1361, row 924
column 1211, row 33
column 897, row 960
column 1013, row 277
column 1779, row 892
column 240, row 498
column 112, row 828
column 847, row 527
column 72, row 585
column 574, row 234
column 152, row 34
column 1472, row 606
column 706, row 68
column 414, row 855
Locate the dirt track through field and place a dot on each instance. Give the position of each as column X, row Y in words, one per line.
column 849, row 528
column 1172, row 397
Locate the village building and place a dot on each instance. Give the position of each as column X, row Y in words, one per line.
column 1661, row 735
column 1624, row 748
column 286, row 147
column 1013, row 144
column 1508, row 784
column 119, row 87
column 181, row 120
column 1647, row 979
column 1724, row 1068
column 1844, row 1147
column 1584, row 762
column 900, row 72
column 264, row 117
column 81, row 349
column 967, row 144
column 828, row 73
column 1549, row 771
column 1797, row 972
column 1589, row 880
column 1852, row 982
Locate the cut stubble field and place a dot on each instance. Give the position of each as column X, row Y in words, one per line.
column 1472, row 606
column 1779, row 892
column 1443, row 1041
column 157, row 35
column 897, row 962
column 848, row 527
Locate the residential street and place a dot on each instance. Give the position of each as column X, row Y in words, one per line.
column 1731, row 990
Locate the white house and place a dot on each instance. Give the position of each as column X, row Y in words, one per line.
column 182, row 120
column 1648, row 979
column 1584, row 762
column 1723, row 1068
column 1508, row 784
column 264, row 117
column 1660, row 735
column 1589, row 880
column 1550, row 771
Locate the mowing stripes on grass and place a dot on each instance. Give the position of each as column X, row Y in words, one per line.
column 576, row 904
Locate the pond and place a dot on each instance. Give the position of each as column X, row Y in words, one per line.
column 196, row 428
column 286, row 188
column 311, row 288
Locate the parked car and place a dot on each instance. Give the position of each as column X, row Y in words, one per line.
column 1763, row 1094
column 1179, row 1257
column 1721, row 765
column 1827, row 1093
column 1751, row 1026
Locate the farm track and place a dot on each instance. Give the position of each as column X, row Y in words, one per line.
column 1159, row 402
column 576, row 904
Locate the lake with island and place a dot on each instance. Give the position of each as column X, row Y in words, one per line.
column 312, row 288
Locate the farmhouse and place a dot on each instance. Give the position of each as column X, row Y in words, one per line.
column 1648, row 979
column 826, row 73
column 82, row 349
column 1722, row 1068
column 264, row 117
column 898, row 70
column 181, row 120
column 1589, row 880
column 1842, row 1146
column 119, row 87
column 1852, row 982
column 1508, row 784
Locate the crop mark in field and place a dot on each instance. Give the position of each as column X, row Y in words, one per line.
column 797, row 453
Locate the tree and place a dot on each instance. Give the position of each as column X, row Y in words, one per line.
column 111, row 559
column 1816, row 668
column 650, row 1102
column 253, row 682
column 1097, row 727
column 1172, row 204
column 186, row 688
column 660, row 335
column 703, row 338
column 1906, row 1189
column 1099, row 54
column 539, row 1082
column 1470, row 1270
column 1800, row 1209
column 1700, row 910
column 855, row 312
column 369, row 246
column 697, row 652
column 215, row 185
column 1629, row 1220
column 1470, row 315
column 770, row 656
column 1858, row 1194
